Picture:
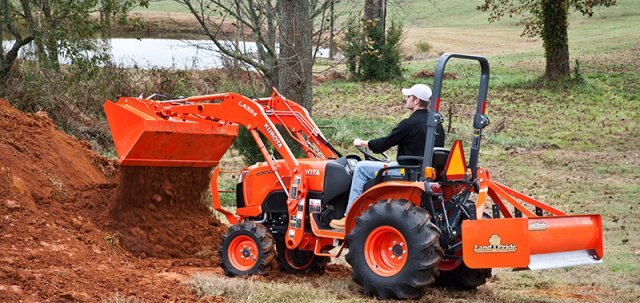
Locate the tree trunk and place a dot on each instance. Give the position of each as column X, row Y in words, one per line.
column 555, row 38
column 51, row 39
column 8, row 58
column 295, row 59
column 376, row 10
column 332, row 16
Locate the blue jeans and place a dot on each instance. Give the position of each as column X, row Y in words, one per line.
column 365, row 171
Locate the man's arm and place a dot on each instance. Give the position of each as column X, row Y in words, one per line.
column 381, row 145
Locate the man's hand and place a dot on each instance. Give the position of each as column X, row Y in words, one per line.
column 358, row 142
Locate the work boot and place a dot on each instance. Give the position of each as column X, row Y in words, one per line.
column 338, row 223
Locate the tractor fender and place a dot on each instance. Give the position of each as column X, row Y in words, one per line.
column 407, row 190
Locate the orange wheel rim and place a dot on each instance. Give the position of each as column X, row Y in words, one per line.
column 243, row 253
column 386, row 251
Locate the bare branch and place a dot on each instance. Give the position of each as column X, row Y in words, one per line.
column 213, row 37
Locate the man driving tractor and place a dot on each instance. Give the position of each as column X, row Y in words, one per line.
column 409, row 135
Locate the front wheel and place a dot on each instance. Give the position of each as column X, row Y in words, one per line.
column 247, row 249
column 394, row 250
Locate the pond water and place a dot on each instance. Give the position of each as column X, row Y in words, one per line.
column 180, row 54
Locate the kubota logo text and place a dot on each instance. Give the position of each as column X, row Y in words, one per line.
column 273, row 136
column 312, row 172
column 495, row 246
column 247, row 108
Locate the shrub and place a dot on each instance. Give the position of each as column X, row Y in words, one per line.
column 371, row 54
column 73, row 97
column 423, row 46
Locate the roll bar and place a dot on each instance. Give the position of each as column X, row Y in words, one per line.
column 479, row 120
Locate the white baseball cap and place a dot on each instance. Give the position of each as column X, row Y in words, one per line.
column 422, row 91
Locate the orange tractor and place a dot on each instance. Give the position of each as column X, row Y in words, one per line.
column 403, row 233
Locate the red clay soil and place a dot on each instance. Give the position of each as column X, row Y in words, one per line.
column 160, row 212
column 73, row 228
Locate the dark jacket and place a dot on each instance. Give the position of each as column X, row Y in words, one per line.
column 410, row 136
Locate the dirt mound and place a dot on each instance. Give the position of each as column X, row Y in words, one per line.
column 64, row 235
column 44, row 162
column 161, row 212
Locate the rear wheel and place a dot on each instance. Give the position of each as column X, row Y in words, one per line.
column 463, row 278
column 247, row 248
column 454, row 274
column 298, row 261
column 394, row 250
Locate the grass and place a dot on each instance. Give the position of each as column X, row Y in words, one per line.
column 255, row 290
column 163, row 6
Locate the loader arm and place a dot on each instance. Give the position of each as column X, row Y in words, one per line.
column 298, row 121
column 284, row 112
column 192, row 126
column 237, row 109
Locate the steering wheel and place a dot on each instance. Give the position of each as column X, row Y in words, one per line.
column 368, row 156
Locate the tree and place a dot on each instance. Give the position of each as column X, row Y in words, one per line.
column 375, row 12
column 20, row 36
column 259, row 16
column 547, row 19
column 295, row 60
column 372, row 54
column 278, row 40
column 58, row 28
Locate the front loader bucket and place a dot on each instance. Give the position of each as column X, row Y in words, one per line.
column 143, row 137
column 534, row 243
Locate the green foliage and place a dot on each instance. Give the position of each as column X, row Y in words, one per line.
column 73, row 97
column 423, row 46
column 61, row 29
column 549, row 20
column 577, row 73
column 372, row 55
column 530, row 12
column 250, row 153
column 247, row 147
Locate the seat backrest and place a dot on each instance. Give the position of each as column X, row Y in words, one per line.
column 440, row 156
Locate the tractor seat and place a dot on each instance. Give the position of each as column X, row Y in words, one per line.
column 440, row 156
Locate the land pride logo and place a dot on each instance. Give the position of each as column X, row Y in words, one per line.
column 495, row 246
